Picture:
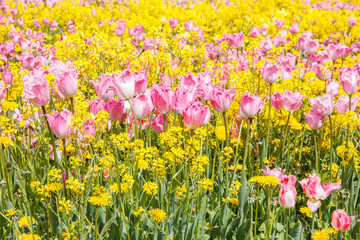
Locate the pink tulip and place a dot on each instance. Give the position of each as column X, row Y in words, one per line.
column 163, row 98
column 277, row 101
column 315, row 191
column 254, row 33
column 287, row 197
column 104, row 88
column 189, row 26
column 288, row 181
column 188, row 81
column 141, row 82
column 269, row 72
column 275, row 172
column 66, row 78
column 139, row 36
column 350, row 80
column 183, row 97
column 236, row 40
column 120, row 28
column 3, row 91
column 292, row 101
column 173, row 22
column 221, row 98
column 340, row 220
column 250, row 105
column 323, row 105
column 342, row 104
column 352, row 22
column 116, row 110
column 142, row 107
column 314, row 120
column 53, row 24
column 338, row 51
column 36, row 88
column 294, row 29
column 60, row 123
column 279, row 23
column 131, row 31
column 148, row 44
column 68, row 84
column 195, row 115
column 96, row 106
column 204, row 91
column 311, row 47
column 28, row 61
column 266, row 45
column 88, row 130
column 285, row 73
column 157, row 123
column 124, row 85
column 278, row 41
column 7, row 76
column 332, row 88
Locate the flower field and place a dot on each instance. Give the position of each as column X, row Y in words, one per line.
column 188, row 119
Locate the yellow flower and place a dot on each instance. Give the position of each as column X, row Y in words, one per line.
column 6, row 141
column 220, row 133
column 24, row 222
column 138, row 212
column 150, row 188
column 102, row 199
column 306, row 211
column 321, row 235
column 266, row 181
column 30, row 237
column 11, row 212
column 180, row 192
column 206, row 184
column 157, row 215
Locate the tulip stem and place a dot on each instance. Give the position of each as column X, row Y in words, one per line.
column 65, row 160
column 51, row 136
column 164, row 122
column 268, row 214
column 312, row 222
column 256, row 210
column 268, row 123
column 286, row 136
column 316, row 152
column 226, row 129
column 331, row 146
column 135, row 119
column 72, row 104
column 287, row 223
column 243, row 190
column 349, row 102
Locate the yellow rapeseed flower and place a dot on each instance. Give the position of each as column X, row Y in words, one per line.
column 150, row 188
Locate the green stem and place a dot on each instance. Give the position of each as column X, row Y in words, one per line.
column 316, row 153
column 312, row 222
column 286, row 136
column 226, row 129
column 268, row 124
column 268, row 214
column 164, row 122
column 135, row 119
column 331, row 146
column 256, row 211
column 51, row 136
column 65, row 160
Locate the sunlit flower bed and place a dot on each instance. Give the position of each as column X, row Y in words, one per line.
column 170, row 119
